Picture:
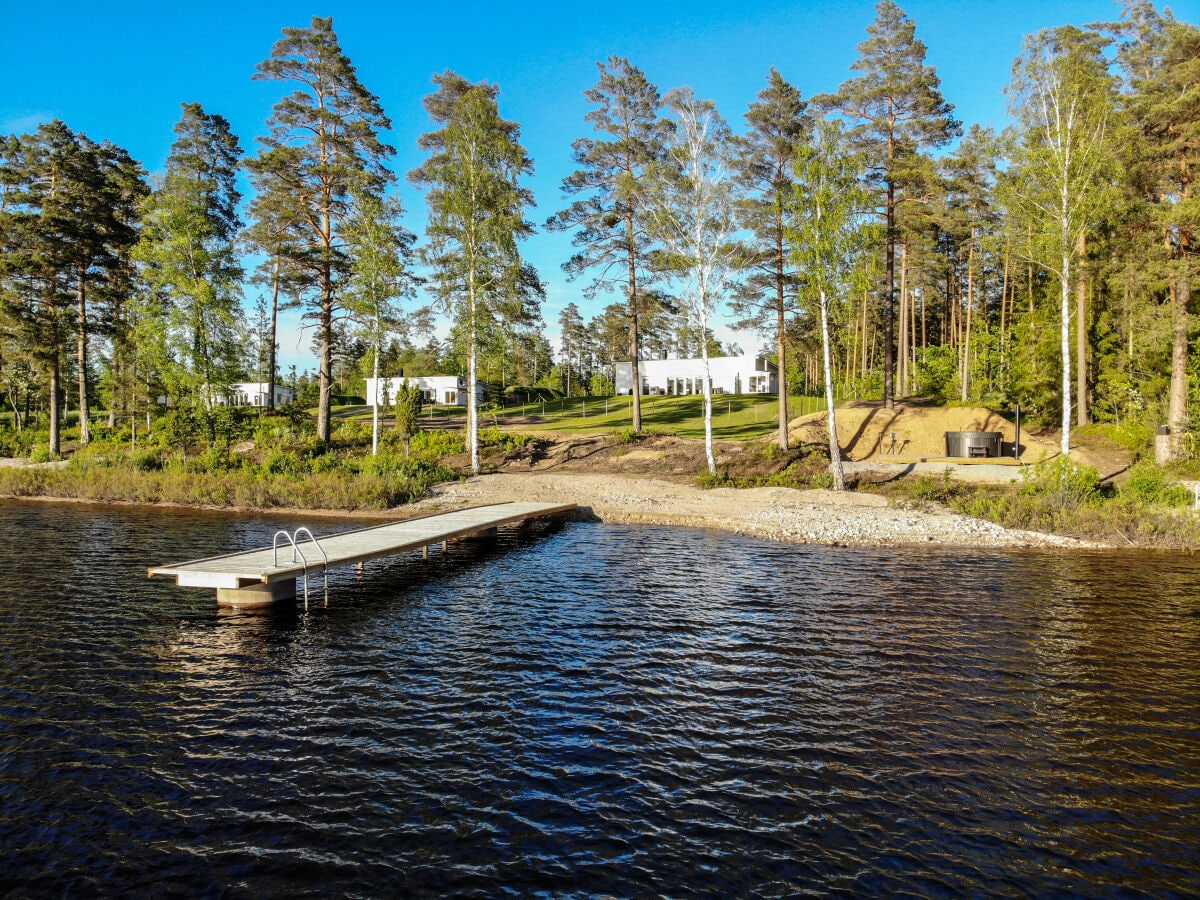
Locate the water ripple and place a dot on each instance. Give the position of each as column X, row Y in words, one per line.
column 596, row 710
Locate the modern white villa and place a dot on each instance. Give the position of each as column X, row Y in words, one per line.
column 730, row 375
column 449, row 390
column 255, row 393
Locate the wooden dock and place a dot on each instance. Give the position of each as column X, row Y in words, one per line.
column 264, row 575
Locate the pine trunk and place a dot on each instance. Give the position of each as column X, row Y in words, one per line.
column 889, row 315
column 965, row 386
column 55, row 408
column 1178, row 393
column 81, row 336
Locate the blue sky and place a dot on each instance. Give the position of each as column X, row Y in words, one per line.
column 120, row 71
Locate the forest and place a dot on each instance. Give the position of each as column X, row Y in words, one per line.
column 874, row 241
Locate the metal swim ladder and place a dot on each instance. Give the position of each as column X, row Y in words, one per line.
column 296, row 551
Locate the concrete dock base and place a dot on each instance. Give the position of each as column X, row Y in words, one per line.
column 257, row 594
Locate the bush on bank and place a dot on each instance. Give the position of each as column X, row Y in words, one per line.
column 271, row 464
column 1062, row 497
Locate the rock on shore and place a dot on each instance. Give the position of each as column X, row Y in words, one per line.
column 782, row 514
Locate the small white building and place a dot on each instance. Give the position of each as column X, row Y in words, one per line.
column 675, row 377
column 438, row 390
column 254, row 393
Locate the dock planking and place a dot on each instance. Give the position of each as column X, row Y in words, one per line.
column 266, row 574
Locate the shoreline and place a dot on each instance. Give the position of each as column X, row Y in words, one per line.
column 788, row 515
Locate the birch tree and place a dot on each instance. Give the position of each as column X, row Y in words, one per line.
column 692, row 212
column 188, row 257
column 829, row 237
column 380, row 250
column 1062, row 97
column 476, row 216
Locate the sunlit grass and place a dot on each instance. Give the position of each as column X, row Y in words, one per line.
column 735, row 416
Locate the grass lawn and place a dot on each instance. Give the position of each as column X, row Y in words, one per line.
column 735, row 416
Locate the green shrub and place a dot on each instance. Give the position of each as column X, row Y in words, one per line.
column 1063, row 481
column 822, row 480
column 627, row 436
column 1148, row 484
column 282, row 462
column 437, row 443
column 40, row 453
column 147, row 461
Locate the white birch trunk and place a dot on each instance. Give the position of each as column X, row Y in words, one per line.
column 472, row 408
column 1065, row 333
column 835, row 452
column 708, row 432
column 375, row 405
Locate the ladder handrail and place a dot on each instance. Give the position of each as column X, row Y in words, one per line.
column 296, row 551
column 324, row 558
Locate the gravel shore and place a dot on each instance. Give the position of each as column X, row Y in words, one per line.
column 782, row 514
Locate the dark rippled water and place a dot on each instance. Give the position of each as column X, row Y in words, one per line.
column 595, row 710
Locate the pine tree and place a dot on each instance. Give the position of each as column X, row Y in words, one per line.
column 67, row 220
column 189, row 259
column 323, row 142
column 778, row 126
column 897, row 108
column 476, row 216
column 608, row 218
column 1161, row 61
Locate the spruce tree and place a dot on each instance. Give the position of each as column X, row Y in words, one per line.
column 323, row 143
column 896, row 108
column 608, row 218
column 779, row 126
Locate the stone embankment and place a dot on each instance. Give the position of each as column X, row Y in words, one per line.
column 782, row 514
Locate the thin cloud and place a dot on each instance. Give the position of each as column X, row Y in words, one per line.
column 22, row 122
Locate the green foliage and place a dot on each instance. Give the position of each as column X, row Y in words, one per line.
column 40, row 453
column 627, row 436
column 936, row 373
column 1147, row 483
column 15, row 443
column 407, row 409
column 1063, row 482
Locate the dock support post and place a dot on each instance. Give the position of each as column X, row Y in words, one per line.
column 257, row 594
column 425, row 552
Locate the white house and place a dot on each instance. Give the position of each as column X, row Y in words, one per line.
column 435, row 389
column 730, row 375
column 254, row 393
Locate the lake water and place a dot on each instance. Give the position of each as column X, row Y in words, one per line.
column 595, row 710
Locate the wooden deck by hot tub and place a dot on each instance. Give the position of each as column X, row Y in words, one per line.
column 255, row 577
